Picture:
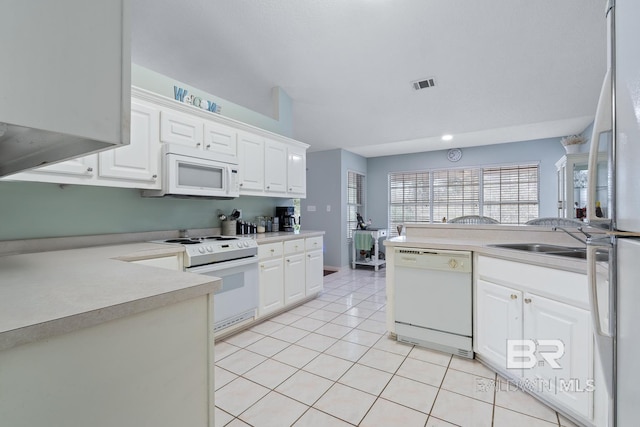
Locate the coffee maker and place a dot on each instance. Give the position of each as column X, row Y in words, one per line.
column 285, row 217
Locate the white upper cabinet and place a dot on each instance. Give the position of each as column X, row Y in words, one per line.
column 181, row 128
column 137, row 164
column 81, row 170
column 296, row 171
column 275, row 167
column 221, row 140
column 251, row 163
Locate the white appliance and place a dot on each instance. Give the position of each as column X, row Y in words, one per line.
column 433, row 299
column 235, row 261
column 65, row 86
column 614, row 299
column 191, row 172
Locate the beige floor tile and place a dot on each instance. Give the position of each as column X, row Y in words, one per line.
column 424, row 372
column 327, row 366
column 268, row 346
column 519, row 401
column 469, row 385
column 347, row 350
column 324, row 315
column 346, row 320
column 388, row 344
column 305, row 387
column 328, row 298
column 315, row 418
column 370, row 305
column 286, row 318
column 565, row 422
column 414, row 394
column 315, row 303
column 383, row 360
column 462, row 410
column 222, row 377
column 436, row 422
column 366, row 379
column 241, row 361
column 316, row 342
column 359, row 312
column 506, row 418
column 337, row 307
column 273, row 410
column 346, row 403
column 289, row 334
column 221, row 417
column 471, row 366
column 267, row 327
column 386, row 413
column 237, row 423
column 333, row 330
column 308, row 324
column 379, row 316
column 362, row 337
column 296, row 356
column 373, row 326
column 239, row 395
column 432, row 356
column 224, row 349
column 302, row 310
column 270, row 373
column 244, row 339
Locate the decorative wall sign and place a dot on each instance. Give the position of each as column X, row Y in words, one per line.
column 454, row 154
column 182, row 95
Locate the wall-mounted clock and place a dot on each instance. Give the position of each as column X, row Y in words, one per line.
column 454, row 154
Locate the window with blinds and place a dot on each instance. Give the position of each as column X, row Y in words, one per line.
column 355, row 200
column 409, row 199
column 508, row 194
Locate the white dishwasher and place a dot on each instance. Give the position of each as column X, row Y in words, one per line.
column 433, row 299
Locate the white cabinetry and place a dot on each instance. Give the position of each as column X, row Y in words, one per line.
column 275, row 167
column 296, row 171
column 81, row 170
column 522, row 301
column 251, row 163
column 314, row 269
column 294, row 271
column 221, row 140
column 180, row 128
column 271, row 278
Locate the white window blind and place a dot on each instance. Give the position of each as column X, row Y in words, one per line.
column 408, row 199
column 508, row 194
column 355, row 200
column 511, row 193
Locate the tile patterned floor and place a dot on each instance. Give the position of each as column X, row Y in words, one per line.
column 330, row 363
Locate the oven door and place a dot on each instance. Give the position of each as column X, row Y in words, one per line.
column 237, row 300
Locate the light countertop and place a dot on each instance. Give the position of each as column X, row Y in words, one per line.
column 49, row 293
column 280, row 236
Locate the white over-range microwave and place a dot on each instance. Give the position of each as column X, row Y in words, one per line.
column 191, row 172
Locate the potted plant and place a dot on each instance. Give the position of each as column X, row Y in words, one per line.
column 572, row 143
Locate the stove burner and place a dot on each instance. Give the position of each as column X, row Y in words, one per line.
column 183, row 241
column 220, row 238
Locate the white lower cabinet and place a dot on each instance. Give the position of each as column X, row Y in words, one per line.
column 294, row 271
column 271, row 278
column 548, row 309
column 314, row 272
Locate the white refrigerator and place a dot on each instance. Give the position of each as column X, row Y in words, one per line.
column 615, row 300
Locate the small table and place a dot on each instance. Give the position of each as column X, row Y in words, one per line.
column 376, row 234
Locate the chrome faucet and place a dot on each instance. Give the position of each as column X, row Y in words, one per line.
column 584, row 242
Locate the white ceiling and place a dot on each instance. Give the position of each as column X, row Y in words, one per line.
column 505, row 70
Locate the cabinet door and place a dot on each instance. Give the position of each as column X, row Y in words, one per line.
column 275, row 167
column 251, row 163
column 498, row 318
column 181, row 129
column 294, row 278
column 314, row 272
column 81, row 170
column 296, row 171
column 546, row 319
column 136, row 164
column 221, row 140
column 271, row 286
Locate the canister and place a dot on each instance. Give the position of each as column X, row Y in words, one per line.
column 229, row 227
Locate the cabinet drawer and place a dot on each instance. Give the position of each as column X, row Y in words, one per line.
column 269, row 250
column 293, row 246
column 312, row 243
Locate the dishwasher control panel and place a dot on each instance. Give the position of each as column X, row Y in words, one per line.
column 433, row 259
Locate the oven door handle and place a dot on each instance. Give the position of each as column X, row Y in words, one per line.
column 225, row 265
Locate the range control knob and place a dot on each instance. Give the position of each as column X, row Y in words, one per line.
column 209, row 249
column 201, row 250
column 239, row 244
column 453, row 263
column 246, row 244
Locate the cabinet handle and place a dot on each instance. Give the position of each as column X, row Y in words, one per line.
column 268, row 187
column 288, row 260
column 89, row 169
column 290, row 189
column 154, row 176
column 241, row 184
column 527, row 300
column 273, row 250
column 208, row 146
column 198, row 144
column 514, row 296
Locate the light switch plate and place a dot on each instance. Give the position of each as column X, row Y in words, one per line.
column 328, row 208
column 311, row 208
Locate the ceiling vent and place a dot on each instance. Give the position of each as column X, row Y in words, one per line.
column 424, row 84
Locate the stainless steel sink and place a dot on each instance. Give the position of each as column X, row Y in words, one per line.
column 564, row 251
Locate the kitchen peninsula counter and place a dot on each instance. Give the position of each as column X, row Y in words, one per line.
column 51, row 293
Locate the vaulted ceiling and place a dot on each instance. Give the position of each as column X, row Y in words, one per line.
column 504, row 70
